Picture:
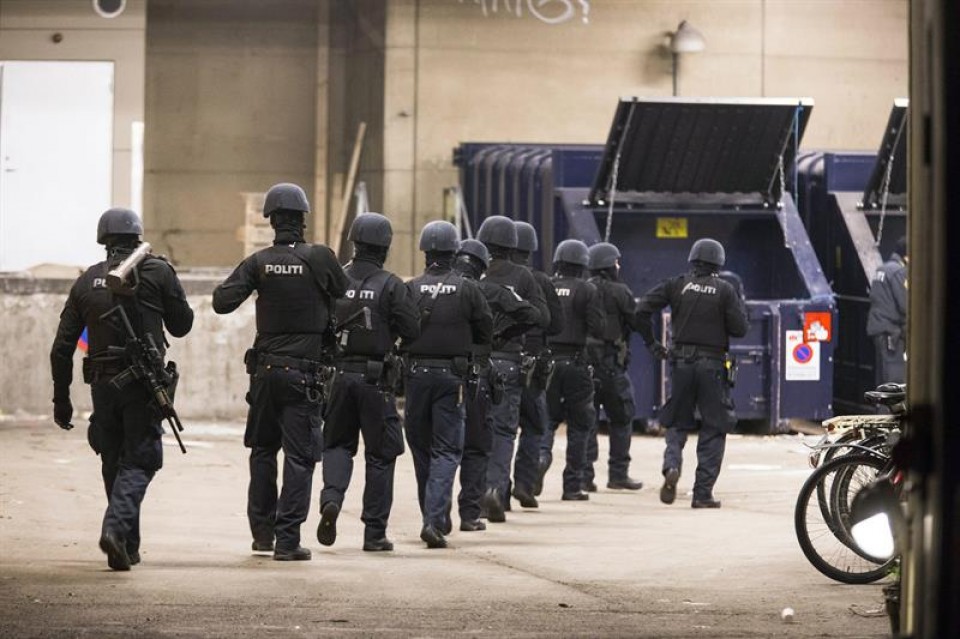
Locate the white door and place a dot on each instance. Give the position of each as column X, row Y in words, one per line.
column 56, row 168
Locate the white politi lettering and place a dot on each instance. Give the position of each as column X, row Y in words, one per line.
column 446, row 289
column 99, row 282
column 563, row 292
column 699, row 288
column 364, row 295
column 283, row 269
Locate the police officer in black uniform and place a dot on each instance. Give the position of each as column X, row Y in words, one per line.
column 887, row 317
column 570, row 393
column 610, row 357
column 297, row 284
column 455, row 323
column 537, row 363
column 499, row 235
column 511, row 316
column 376, row 311
column 125, row 428
column 706, row 312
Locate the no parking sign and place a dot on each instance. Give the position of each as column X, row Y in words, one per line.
column 802, row 358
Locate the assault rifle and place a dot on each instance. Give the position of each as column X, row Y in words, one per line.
column 146, row 365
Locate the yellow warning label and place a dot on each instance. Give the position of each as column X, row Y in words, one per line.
column 672, row 227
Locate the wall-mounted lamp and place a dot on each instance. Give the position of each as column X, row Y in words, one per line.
column 109, row 8
column 685, row 39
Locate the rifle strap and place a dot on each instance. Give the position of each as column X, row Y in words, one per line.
column 301, row 250
column 426, row 311
column 381, row 277
column 686, row 318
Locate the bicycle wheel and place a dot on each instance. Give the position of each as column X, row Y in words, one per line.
column 847, row 483
column 853, row 442
column 823, row 529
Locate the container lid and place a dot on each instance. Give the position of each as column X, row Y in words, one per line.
column 891, row 157
column 709, row 151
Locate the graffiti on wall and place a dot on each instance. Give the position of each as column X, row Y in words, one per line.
column 546, row 11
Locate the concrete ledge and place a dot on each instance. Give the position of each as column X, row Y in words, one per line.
column 213, row 382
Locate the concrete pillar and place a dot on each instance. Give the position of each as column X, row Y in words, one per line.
column 400, row 133
column 321, row 166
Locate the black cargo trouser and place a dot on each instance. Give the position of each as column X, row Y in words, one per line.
column 504, row 421
column 570, row 399
column 434, row 424
column 358, row 407
column 533, row 426
column 127, row 431
column 477, row 444
column 283, row 415
column 891, row 365
column 698, row 383
column 614, row 392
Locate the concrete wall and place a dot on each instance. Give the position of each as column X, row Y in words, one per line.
column 239, row 95
column 26, row 31
column 213, row 381
column 485, row 70
column 231, row 91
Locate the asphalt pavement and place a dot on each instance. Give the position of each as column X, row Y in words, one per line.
column 620, row 565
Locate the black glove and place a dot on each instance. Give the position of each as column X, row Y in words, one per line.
column 658, row 350
column 63, row 413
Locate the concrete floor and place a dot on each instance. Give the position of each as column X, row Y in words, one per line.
column 621, row 564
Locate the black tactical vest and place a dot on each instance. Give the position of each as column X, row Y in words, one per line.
column 570, row 292
column 699, row 313
column 355, row 338
column 288, row 297
column 95, row 299
column 144, row 309
column 445, row 329
column 613, row 328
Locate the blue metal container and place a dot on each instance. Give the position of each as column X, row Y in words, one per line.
column 842, row 197
column 687, row 169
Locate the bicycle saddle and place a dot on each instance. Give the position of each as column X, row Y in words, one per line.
column 887, row 394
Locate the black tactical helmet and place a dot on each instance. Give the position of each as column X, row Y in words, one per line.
column 526, row 237
column 572, row 252
column 287, row 197
column 708, row 251
column 498, row 230
column 603, row 255
column 439, row 236
column 118, row 222
column 900, row 248
column 371, row 228
column 475, row 248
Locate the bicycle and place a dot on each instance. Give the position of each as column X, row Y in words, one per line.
column 843, row 467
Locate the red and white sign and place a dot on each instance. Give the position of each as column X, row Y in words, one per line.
column 802, row 358
column 817, row 326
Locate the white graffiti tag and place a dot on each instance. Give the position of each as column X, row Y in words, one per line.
column 546, row 11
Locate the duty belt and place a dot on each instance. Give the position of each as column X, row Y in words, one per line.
column 575, row 358
column 95, row 369
column 510, row 356
column 695, row 351
column 280, row 361
column 353, row 367
column 424, row 362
